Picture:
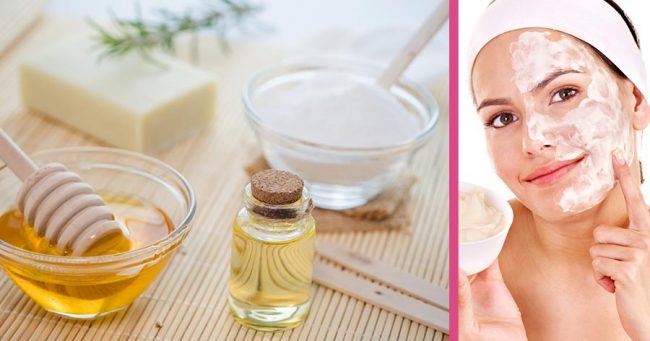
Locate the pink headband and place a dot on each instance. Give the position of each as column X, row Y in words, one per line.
column 593, row 21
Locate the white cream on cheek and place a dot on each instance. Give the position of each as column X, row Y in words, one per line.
column 595, row 128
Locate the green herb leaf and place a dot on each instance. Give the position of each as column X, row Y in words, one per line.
column 144, row 37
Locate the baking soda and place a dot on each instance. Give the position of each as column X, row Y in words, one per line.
column 337, row 109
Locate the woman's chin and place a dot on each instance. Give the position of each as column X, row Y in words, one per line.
column 567, row 203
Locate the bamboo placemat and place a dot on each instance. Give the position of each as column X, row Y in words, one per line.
column 188, row 300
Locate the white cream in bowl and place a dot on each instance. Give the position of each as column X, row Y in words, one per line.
column 484, row 221
column 477, row 218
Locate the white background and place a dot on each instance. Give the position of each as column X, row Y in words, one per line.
column 291, row 20
column 366, row 29
column 474, row 164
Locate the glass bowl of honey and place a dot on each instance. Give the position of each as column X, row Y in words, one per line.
column 153, row 201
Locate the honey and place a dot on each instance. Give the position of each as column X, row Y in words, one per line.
column 89, row 290
column 271, row 263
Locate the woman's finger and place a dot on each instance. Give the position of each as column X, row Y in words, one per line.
column 620, row 272
column 465, row 307
column 613, row 251
column 604, row 234
column 604, row 281
column 636, row 207
column 606, row 267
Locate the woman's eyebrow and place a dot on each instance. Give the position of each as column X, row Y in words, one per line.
column 493, row 101
column 550, row 77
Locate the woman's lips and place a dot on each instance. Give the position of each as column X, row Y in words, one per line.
column 552, row 172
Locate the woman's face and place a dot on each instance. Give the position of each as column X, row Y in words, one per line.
column 553, row 116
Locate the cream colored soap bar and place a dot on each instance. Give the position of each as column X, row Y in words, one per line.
column 125, row 101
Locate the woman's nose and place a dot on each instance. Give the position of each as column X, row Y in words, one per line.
column 534, row 145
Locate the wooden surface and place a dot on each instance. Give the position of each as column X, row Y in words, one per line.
column 188, row 300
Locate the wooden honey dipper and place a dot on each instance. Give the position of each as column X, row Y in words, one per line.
column 61, row 207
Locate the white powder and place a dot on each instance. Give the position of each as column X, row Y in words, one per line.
column 339, row 110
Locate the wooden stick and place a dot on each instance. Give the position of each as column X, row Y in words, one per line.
column 381, row 297
column 15, row 158
column 394, row 278
column 415, row 45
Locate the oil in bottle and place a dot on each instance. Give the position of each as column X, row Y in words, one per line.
column 272, row 253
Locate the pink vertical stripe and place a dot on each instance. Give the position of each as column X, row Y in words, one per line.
column 453, row 169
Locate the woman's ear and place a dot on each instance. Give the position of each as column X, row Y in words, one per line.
column 641, row 110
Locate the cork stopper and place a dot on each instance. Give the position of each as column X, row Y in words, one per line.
column 276, row 187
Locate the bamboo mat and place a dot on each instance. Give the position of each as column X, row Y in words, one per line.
column 188, row 300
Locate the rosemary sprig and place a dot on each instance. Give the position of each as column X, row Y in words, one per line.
column 143, row 37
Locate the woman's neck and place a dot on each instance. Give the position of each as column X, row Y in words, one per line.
column 571, row 238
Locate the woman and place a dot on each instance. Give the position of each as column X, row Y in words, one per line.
column 560, row 87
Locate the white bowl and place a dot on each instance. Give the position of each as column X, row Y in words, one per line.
column 476, row 256
column 337, row 177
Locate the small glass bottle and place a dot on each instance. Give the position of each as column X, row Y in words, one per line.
column 272, row 253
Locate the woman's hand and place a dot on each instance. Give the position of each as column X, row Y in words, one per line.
column 621, row 258
column 487, row 310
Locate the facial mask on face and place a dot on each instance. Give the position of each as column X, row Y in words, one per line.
column 595, row 22
column 594, row 129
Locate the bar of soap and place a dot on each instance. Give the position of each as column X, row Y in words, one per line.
column 127, row 101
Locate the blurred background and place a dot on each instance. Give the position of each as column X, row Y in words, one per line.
column 366, row 29
column 190, row 300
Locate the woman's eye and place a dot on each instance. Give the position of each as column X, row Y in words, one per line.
column 501, row 120
column 563, row 95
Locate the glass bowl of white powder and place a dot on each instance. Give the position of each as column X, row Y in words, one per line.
column 329, row 122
